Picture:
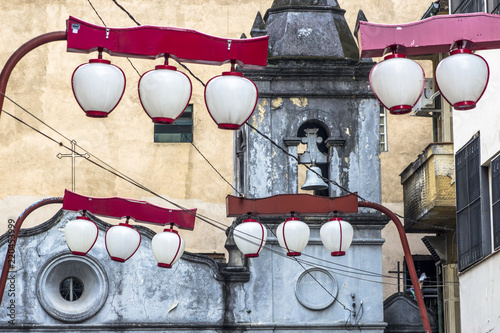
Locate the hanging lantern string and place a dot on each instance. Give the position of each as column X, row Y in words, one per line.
column 316, row 280
column 203, row 84
column 193, row 75
column 269, row 139
column 214, row 223
column 120, row 175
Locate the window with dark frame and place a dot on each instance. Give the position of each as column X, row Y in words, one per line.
column 494, row 7
column 495, row 200
column 468, row 193
column 466, row 6
column 180, row 131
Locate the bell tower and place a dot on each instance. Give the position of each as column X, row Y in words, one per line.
column 315, row 108
column 315, row 102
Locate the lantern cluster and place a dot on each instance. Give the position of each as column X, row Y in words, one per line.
column 122, row 241
column 164, row 93
column 461, row 78
column 293, row 236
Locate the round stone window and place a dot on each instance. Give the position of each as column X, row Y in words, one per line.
column 72, row 288
column 310, row 289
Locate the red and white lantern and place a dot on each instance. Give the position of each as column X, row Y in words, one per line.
column 397, row 82
column 122, row 241
column 168, row 247
column 336, row 236
column 81, row 235
column 98, row 87
column 250, row 237
column 293, row 236
column 462, row 78
column 164, row 93
column 230, row 99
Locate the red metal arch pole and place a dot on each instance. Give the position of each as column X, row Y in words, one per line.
column 4, row 79
column 408, row 257
column 21, row 52
column 13, row 238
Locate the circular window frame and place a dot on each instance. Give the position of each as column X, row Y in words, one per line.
column 317, row 306
column 85, row 268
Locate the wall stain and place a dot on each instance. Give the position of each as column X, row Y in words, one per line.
column 277, row 103
column 301, row 102
column 258, row 117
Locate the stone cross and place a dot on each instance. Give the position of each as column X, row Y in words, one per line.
column 73, row 156
column 312, row 152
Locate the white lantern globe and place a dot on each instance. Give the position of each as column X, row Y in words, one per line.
column 122, row 241
column 168, row 247
column 98, row 87
column 462, row 78
column 336, row 236
column 293, row 236
column 81, row 235
column 164, row 93
column 250, row 237
column 230, row 99
column 398, row 83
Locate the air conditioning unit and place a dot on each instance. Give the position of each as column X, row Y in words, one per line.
column 429, row 104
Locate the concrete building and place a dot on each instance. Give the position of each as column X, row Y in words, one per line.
column 477, row 145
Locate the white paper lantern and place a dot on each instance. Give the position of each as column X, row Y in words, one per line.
column 250, row 237
column 462, row 78
column 230, row 99
column 164, row 93
column 293, row 236
column 168, row 247
column 81, row 235
column 122, row 241
column 336, row 236
column 98, row 87
column 398, row 83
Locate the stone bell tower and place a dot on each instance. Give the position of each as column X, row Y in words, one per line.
column 316, row 104
column 314, row 80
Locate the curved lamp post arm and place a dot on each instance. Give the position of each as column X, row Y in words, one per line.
column 21, row 52
column 13, row 238
column 408, row 257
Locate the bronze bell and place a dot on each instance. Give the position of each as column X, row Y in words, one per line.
column 313, row 180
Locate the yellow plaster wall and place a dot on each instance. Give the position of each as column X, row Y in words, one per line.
column 41, row 83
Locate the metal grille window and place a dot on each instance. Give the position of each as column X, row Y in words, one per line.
column 71, row 288
column 495, row 200
column 466, row 6
column 383, row 129
column 468, row 192
column 180, row 131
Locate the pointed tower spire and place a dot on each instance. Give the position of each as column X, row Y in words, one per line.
column 259, row 26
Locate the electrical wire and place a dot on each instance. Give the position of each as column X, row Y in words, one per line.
column 288, row 154
column 219, row 225
column 201, row 217
column 207, row 220
column 326, row 180
column 104, row 24
column 192, row 74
